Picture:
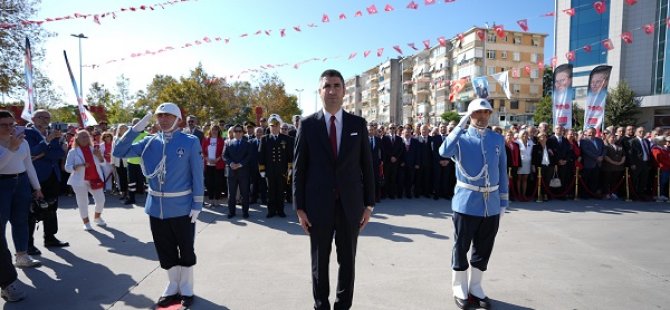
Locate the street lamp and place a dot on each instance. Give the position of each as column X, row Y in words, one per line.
column 299, row 95
column 81, row 82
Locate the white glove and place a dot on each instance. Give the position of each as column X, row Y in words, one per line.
column 464, row 120
column 139, row 127
column 194, row 215
column 263, row 174
column 502, row 212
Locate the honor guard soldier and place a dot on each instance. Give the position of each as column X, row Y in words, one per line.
column 172, row 162
column 480, row 199
column 275, row 158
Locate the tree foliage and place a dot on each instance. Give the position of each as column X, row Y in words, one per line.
column 543, row 111
column 450, row 116
column 547, row 81
column 622, row 107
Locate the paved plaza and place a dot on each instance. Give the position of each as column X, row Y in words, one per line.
column 587, row 254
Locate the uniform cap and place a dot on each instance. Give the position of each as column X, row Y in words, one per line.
column 169, row 108
column 274, row 119
column 479, row 104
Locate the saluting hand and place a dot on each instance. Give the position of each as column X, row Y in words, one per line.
column 304, row 221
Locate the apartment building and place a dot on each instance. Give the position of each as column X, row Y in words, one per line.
column 352, row 95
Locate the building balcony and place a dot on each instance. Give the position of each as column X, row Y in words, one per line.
column 423, row 90
column 423, row 107
column 407, row 99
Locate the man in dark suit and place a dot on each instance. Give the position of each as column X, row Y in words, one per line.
column 333, row 188
column 563, row 155
column 425, row 174
column 409, row 164
column 254, row 174
column 639, row 160
column 393, row 149
column 443, row 171
column 593, row 151
column 192, row 127
column 237, row 156
column 276, row 157
column 376, row 148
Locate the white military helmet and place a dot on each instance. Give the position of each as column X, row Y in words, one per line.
column 275, row 119
column 479, row 104
column 169, row 108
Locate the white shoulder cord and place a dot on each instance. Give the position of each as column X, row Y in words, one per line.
column 482, row 173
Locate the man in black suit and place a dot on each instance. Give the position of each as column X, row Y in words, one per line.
column 593, row 150
column 376, row 148
column 564, row 156
column 333, row 188
column 255, row 179
column 443, row 171
column 409, row 164
column 192, row 127
column 639, row 160
column 237, row 156
column 276, row 156
column 425, row 174
column 393, row 149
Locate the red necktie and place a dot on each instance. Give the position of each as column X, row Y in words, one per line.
column 333, row 136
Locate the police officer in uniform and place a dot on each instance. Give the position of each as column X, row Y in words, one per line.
column 480, row 199
column 275, row 161
column 172, row 162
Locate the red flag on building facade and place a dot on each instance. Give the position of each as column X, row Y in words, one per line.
column 587, row 48
column 600, row 7
column 627, row 37
column 648, row 28
column 570, row 56
column 570, row 11
column 608, row 44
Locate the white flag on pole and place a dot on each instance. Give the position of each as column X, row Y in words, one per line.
column 503, row 79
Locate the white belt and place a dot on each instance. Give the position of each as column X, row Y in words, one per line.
column 170, row 194
column 481, row 189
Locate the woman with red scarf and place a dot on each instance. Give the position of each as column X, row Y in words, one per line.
column 105, row 147
column 212, row 149
column 84, row 163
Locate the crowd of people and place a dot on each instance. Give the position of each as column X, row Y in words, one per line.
column 250, row 163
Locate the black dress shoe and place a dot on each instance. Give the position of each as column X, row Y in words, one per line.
column 186, row 301
column 270, row 215
column 32, row 250
column 231, row 215
column 245, row 215
column 166, row 301
column 55, row 243
column 483, row 303
column 281, row 214
column 462, row 303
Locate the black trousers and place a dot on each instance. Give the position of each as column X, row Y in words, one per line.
column 423, row 180
column 49, row 218
column 213, row 182
column 135, row 180
column 122, row 172
column 640, row 178
column 238, row 178
column 7, row 270
column 591, row 176
column 259, row 187
column 407, row 179
column 276, row 185
column 480, row 232
column 321, row 240
column 391, row 178
column 444, row 180
column 174, row 239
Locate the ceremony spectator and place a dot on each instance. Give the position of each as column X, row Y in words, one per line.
column 543, row 160
column 212, row 151
column 192, row 127
column 513, row 158
column 593, row 151
column 105, row 147
column 526, row 150
column 613, row 166
column 564, row 156
column 639, row 161
column 121, row 164
column 661, row 154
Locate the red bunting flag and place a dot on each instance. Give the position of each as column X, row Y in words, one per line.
column 523, row 24
column 96, row 19
column 412, row 5
column 226, row 40
column 500, row 31
column 372, row 9
column 599, row 6
column 527, row 69
column 312, row 25
column 258, row 32
column 352, row 55
column 412, row 46
column 296, row 28
column 515, row 73
column 380, row 51
column 282, row 32
column 648, row 28
column 207, row 40
column 325, row 18
column 587, row 48
column 366, row 53
column 358, row 14
column 342, row 16
column 397, row 48
column 243, row 35
column 570, row 11
column 449, row 1
column 429, row 2
column 570, row 56
column 667, row 21
column 548, row 14
column 481, row 34
column 388, row 8
column 631, row 2
column 442, row 40
column 426, row 44
column 460, row 37
column 627, row 37
column 608, row 44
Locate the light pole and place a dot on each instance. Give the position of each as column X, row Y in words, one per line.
column 299, row 95
column 81, row 65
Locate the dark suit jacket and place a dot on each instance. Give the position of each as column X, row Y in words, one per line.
column 53, row 153
column 377, row 156
column 634, row 156
column 318, row 177
column 239, row 154
column 392, row 149
column 536, row 155
column 254, row 145
column 562, row 150
column 590, row 152
column 412, row 155
column 426, row 152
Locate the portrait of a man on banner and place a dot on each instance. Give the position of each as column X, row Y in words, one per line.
column 563, row 96
column 481, row 86
column 596, row 97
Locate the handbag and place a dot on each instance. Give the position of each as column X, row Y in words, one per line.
column 555, row 181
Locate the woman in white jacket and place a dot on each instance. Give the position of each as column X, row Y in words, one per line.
column 84, row 163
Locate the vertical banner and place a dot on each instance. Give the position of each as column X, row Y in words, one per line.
column 503, row 79
column 481, row 86
column 29, row 107
column 594, row 109
column 85, row 117
column 562, row 96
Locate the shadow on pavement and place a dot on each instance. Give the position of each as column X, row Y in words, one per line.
column 617, row 207
column 397, row 233
column 124, row 244
column 497, row 304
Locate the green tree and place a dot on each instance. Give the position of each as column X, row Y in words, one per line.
column 577, row 117
column 547, row 81
column 270, row 94
column 622, row 107
column 450, row 116
column 543, row 111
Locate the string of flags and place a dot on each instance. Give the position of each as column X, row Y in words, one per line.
column 96, row 17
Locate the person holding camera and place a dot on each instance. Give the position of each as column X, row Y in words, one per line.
column 46, row 152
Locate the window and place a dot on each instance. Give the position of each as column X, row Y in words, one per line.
column 503, row 54
column 491, row 37
column 490, row 70
column 535, row 42
column 516, row 88
column 533, row 57
column 534, row 89
column 491, row 54
column 514, row 104
column 517, row 40
column 517, row 56
column 586, row 27
column 533, row 73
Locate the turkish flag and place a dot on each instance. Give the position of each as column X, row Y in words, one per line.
column 540, row 65
column 411, row 45
column 548, row 14
column 442, row 40
column 342, row 16
column 358, row 14
column 570, row 11
column 426, row 44
column 352, row 55
column 570, row 56
column 600, row 7
column 412, row 5
column 631, row 2
column 380, row 51
column 523, row 24
column 480, row 34
column 282, row 32
column 366, row 53
column 554, row 62
column 460, row 37
column 372, row 9
column 515, row 73
column 296, row 28
column 627, row 37
column 527, row 69
column 388, row 8
column 429, row 2
column 325, row 18
column 648, row 28
column 397, row 48
column 608, row 44
column 500, row 31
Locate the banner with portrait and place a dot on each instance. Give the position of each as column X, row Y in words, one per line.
column 481, row 86
column 596, row 97
column 563, row 96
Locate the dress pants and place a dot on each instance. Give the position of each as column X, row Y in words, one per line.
column 174, row 238
column 321, row 239
column 480, row 232
column 276, row 185
column 391, row 178
column 135, row 180
column 640, row 178
column 238, row 178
